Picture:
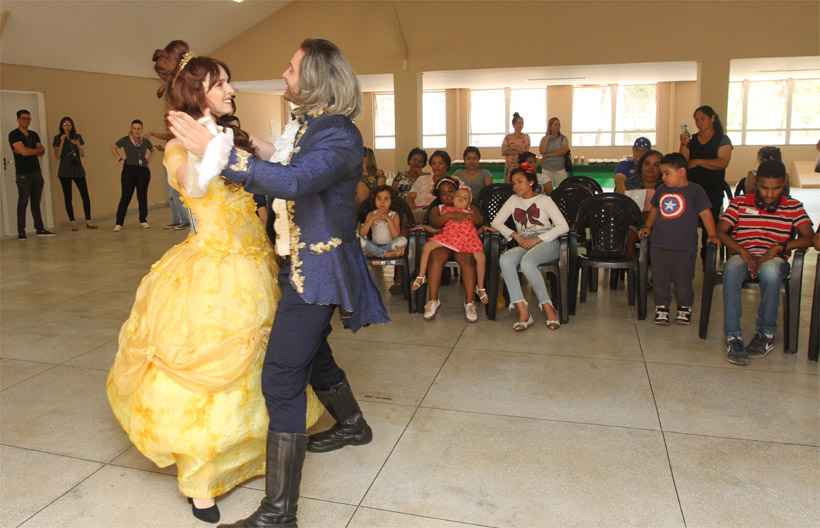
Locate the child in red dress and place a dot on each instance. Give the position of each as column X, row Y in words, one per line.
column 460, row 235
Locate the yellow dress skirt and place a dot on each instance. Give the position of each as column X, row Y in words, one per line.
column 186, row 381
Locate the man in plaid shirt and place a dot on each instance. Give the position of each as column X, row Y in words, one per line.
column 760, row 229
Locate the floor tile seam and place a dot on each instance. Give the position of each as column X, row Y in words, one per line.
column 744, row 439
column 430, row 517
column 383, row 342
column 732, row 368
column 46, row 452
column 49, row 369
column 539, row 419
column 459, row 348
column 72, row 488
column 405, row 428
column 660, row 425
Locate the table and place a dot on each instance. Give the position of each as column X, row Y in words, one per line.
column 602, row 171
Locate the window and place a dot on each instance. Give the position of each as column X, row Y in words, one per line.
column 385, row 121
column 613, row 115
column 488, row 115
column 491, row 114
column 532, row 105
column 775, row 112
column 434, row 119
column 635, row 108
column 592, row 116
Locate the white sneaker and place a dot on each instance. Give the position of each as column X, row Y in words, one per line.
column 431, row 308
column 470, row 312
column 117, row 228
column 145, row 225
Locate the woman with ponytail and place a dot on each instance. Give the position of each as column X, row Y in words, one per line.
column 709, row 152
column 185, row 384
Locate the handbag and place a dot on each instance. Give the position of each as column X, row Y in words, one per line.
column 568, row 162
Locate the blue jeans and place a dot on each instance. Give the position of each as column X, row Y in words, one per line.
column 178, row 213
column 770, row 275
column 528, row 261
column 372, row 249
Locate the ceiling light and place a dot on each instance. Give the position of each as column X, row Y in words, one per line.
column 557, row 79
column 238, row 1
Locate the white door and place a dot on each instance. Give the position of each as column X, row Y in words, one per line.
column 10, row 102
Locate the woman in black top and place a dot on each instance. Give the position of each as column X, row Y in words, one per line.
column 69, row 152
column 709, row 153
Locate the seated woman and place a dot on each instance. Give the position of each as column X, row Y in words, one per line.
column 538, row 223
column 381, row 231
column 649, row 174
column 404, row 180
column 421, row 194
column 763, row 154
column 445, row 190
column 472, row 174
column 372, row 177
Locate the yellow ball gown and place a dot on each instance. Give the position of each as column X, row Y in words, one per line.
column 186, row 381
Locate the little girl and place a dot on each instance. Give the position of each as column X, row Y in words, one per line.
column 460, row 235
column 381, row 230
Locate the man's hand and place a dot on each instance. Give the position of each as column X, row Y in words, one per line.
column 773, row 252
column 193, row 136
column 645, row 231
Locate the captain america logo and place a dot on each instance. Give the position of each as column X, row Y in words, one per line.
column 672, row 206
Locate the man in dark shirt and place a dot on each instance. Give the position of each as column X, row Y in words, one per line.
column 27, row 148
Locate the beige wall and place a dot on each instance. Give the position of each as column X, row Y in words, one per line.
column 408, row 38
column 102, row 106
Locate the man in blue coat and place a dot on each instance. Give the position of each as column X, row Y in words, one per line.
column 317, row 164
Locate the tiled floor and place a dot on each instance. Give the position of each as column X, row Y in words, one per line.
column 609, row 422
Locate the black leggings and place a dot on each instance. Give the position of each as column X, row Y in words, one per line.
column 67, row 195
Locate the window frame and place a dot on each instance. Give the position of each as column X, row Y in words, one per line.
column 743, row 131
column 508, row 113
column 613, row 131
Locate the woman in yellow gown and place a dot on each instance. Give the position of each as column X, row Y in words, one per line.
column 185, row 384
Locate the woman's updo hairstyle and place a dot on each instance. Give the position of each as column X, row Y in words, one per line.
column 183, row 77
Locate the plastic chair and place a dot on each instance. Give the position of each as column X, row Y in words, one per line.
column 740, row 188
column 604, row 225
column 569, row 198
column 814, row 330
column 405, row 263
column 792, row 285
column 585, row 181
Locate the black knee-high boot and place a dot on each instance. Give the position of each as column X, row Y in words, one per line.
column 350, row 428
column 285, row 458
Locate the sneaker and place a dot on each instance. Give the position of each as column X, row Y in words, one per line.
column 42, row 233
column 662, row 315
column 431, row 308
column 684, row 316
column 117, row 228
column 90, row 225
column 145, row 225
column 172, row 226
column 760, row 345
column 470, row 312
column 735, row 352
column 74, row 225
column 21, row 236
column 180, row 227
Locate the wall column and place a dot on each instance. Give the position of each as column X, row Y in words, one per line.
column 408, row 86
column 713, row 85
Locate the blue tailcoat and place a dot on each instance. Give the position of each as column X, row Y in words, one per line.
column 327, row 263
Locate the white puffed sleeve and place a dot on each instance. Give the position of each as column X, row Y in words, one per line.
column 202, row 170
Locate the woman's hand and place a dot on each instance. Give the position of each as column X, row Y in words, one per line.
column 694, row 163
column 193, row 136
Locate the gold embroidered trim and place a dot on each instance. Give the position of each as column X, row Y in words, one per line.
column 296, row 245
column 323, row 247
column 241, row 163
